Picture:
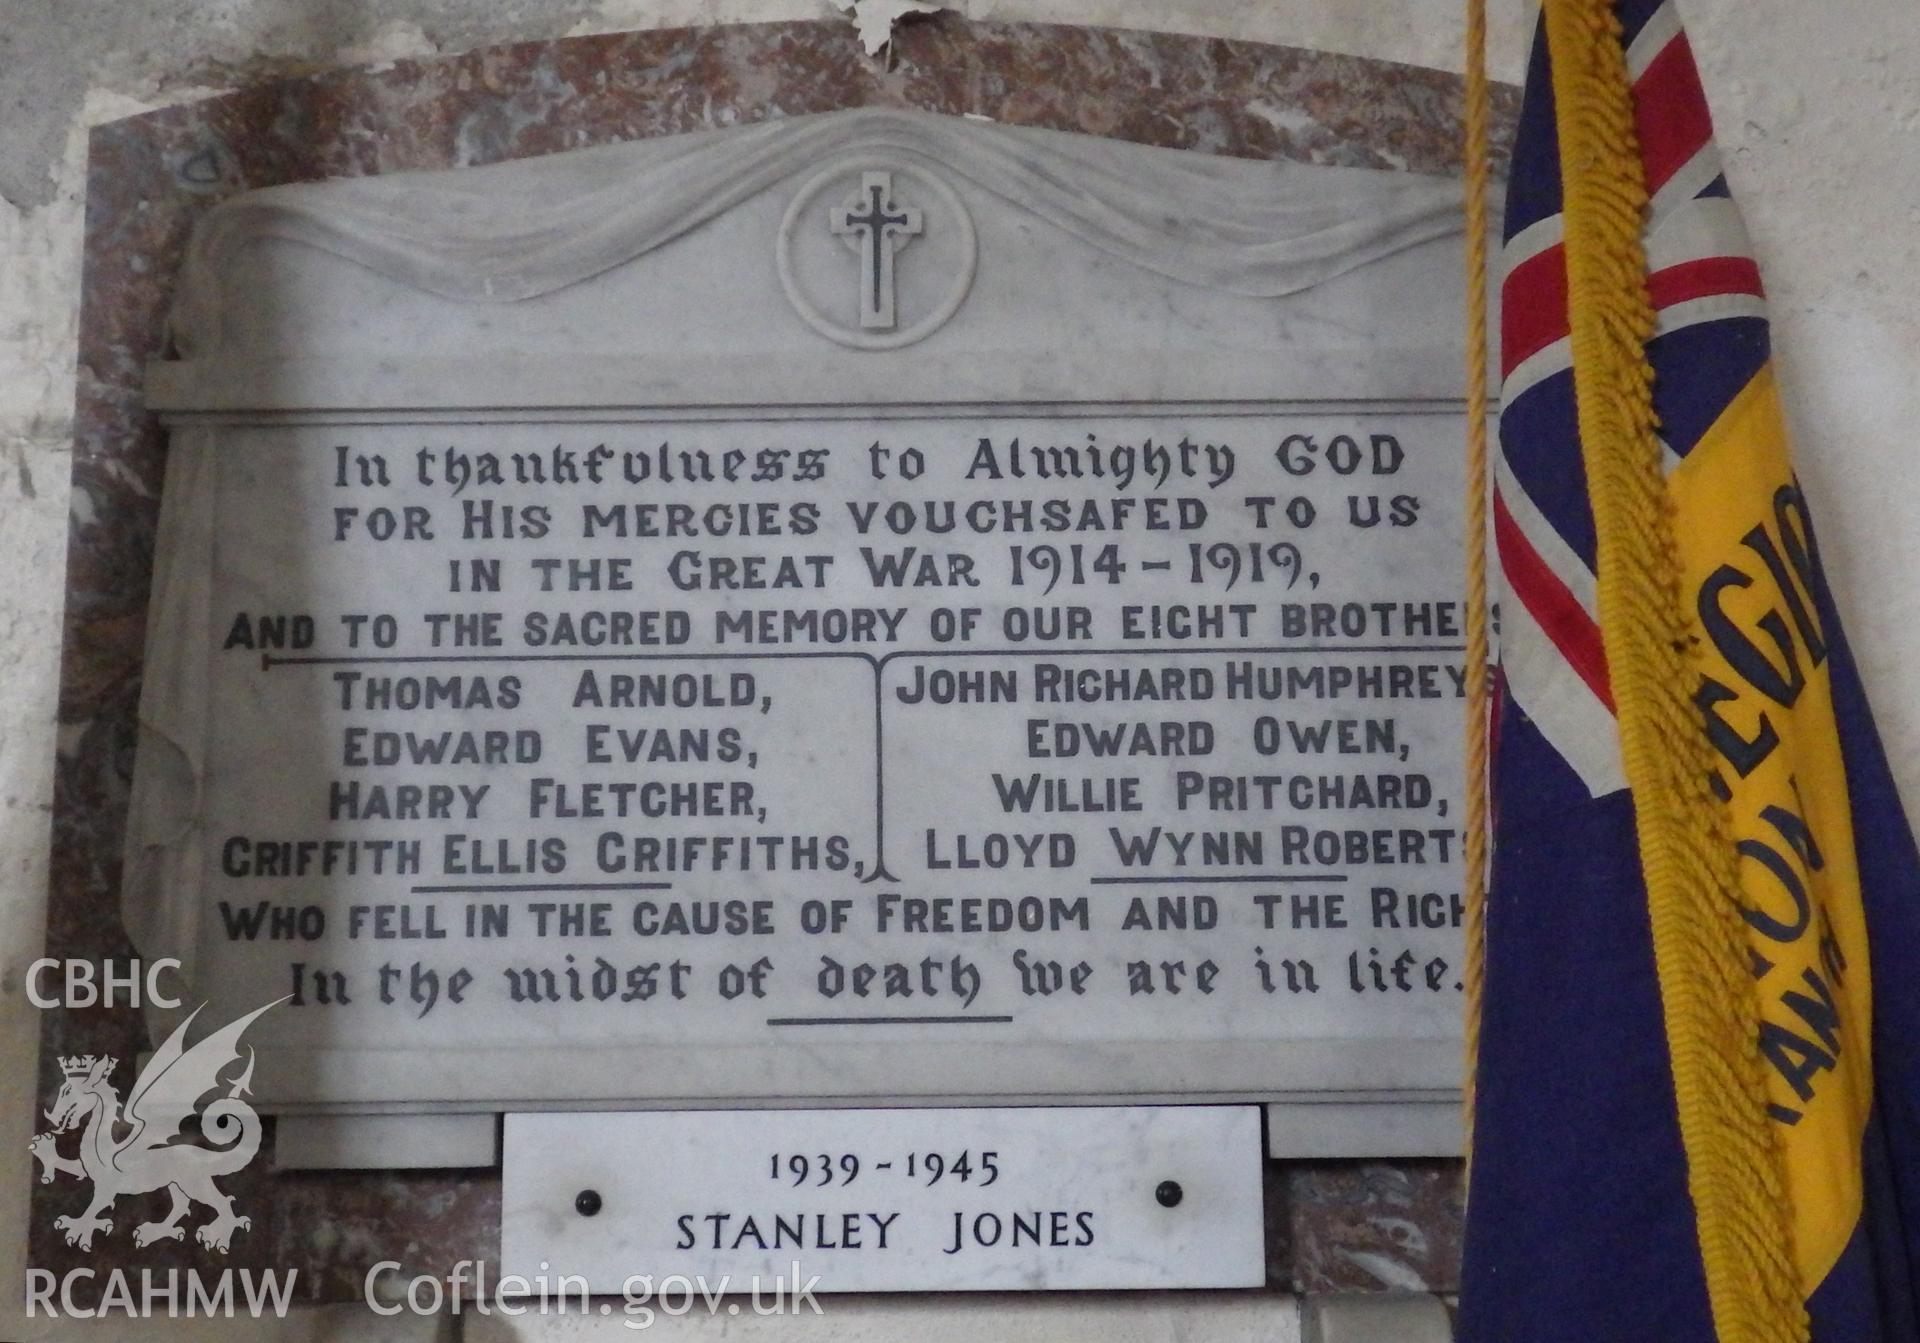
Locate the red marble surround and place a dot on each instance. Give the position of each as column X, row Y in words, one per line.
column 1332, row 1226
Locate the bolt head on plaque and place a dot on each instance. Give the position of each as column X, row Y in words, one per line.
column 876, row 255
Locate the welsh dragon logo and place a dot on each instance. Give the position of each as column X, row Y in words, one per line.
column 141, row 1149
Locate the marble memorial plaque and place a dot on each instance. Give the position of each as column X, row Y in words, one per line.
column 877, row 607
column 929, row 1200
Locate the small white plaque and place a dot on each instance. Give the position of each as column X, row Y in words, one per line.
column 888, row 1200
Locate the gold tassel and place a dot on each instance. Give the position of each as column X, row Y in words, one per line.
column 1686, row 851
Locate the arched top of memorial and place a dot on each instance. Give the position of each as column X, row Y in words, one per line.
column 751, row 264
column 522, row 230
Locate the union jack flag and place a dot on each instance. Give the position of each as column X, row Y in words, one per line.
column 1711, row 340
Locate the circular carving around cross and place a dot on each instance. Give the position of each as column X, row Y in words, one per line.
column 876, row 253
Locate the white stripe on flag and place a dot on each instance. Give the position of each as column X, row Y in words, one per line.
column 1693, row 177
column 1530, row 242
column 1701, row 227
column 1536, row 368
column 1569, row 715
column 1553, row 551
column 1713, row 308
column 1660, row 30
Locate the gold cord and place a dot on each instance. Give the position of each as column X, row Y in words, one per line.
column 1475, row 849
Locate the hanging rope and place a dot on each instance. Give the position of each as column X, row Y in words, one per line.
column 1475, row 849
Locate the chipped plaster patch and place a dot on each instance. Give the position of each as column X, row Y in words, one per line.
column 875, row 20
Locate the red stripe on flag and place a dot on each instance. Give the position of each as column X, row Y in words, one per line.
column 1670, row 113
column 1533, row 307
column 1557, row 611
column 1704, row 278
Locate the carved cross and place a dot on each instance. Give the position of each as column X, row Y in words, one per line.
column 879, row 228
